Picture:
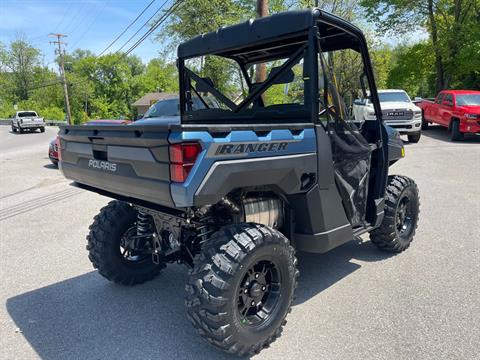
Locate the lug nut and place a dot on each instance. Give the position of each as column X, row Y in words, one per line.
column 253, row 303
column 264, row 288
column 245, row 291
column 256, row 276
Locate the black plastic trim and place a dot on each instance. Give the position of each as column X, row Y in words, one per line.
column 282, row 172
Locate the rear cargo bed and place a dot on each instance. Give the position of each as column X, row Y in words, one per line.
column 131, row 161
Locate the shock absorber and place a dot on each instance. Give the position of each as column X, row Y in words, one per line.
column 144, row 224
column 205, row 229
column 146, row 235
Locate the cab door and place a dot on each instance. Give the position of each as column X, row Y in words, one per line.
column 446, row 110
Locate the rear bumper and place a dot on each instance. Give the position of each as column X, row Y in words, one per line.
column 127, row 186
column 31, row 126
column 405, row 126
column 53, row 156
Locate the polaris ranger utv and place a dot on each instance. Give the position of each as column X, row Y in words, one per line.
column 238, row 184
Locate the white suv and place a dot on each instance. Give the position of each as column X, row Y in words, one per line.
column 398, row 112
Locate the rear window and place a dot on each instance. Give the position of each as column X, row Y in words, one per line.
column 27, row 114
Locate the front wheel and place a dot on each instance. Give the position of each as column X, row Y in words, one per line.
column 414, row 138
column 424, row 122
column 42, row 129
column 456, row 135
column 402, row 206
column 241, row 288
column 110, row 250
column 21, row 130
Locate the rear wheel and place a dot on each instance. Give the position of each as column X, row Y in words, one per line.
column 110, row 246
column 42, row 129
column 241, row 288
column 414, row 138
column 455, row 134
column 401, row 215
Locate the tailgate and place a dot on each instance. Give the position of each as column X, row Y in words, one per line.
column 131, row 161
column 32, row 121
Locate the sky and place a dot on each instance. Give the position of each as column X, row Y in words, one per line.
column 88, row 24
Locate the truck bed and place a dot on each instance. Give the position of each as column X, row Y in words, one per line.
column 130, row 161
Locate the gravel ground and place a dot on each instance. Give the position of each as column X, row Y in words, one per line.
column 352, row 303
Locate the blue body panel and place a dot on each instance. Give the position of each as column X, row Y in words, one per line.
column 183, row 193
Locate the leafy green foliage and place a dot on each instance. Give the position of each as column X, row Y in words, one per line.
column 413, row 70
column 453, row 28
column 106, row 87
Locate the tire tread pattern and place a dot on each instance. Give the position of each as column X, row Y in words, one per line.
column 99, row 239
column 214, row 268
column 385, row 237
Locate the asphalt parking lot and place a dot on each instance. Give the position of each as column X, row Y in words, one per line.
column 352, row 303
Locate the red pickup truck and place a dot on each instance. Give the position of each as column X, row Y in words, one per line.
column 457, row 110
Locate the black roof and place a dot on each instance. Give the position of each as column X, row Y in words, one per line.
column 246, row 41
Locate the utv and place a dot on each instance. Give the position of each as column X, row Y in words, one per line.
column 254, row 172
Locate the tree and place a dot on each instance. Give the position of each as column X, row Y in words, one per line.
column 413, row 69
column 20, row 60
column 448, row 23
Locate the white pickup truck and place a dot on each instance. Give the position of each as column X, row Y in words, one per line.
column 27, row 120
column 398, row 112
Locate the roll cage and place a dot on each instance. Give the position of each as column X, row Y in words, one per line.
column 299, row 35
column 294, row 36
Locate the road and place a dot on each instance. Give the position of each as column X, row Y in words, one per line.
column 352, row 303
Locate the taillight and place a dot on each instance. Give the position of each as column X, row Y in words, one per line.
column 182, row 159
column 58, row 148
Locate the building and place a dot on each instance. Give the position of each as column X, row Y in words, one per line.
column 147, row 100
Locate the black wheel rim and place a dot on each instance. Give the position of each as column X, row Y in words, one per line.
column 405, row 217
column 127, row 250
column 259, row 293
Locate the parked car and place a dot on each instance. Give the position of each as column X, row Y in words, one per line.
column 457, row 110
column 27, row 120
column 167, row 110
column 398, row 112
column 53, row 151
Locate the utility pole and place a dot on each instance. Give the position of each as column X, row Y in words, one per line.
column 261, row 70
column 61, row 52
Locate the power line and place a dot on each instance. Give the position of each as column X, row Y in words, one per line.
column 128, row 27
column 88, row 27
column 53, row 83
column 144, row 24
column 155, row 26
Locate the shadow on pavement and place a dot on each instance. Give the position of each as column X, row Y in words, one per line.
column 25, row 132
column 86, row 317
column 441, row 133
column 51, row 166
